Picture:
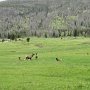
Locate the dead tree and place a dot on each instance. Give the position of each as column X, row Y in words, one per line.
column 33, row 54
column 36, row 57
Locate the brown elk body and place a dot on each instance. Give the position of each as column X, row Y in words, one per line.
column 29, row 57
column 36, row 56
column 57, row 59
column 19, row 58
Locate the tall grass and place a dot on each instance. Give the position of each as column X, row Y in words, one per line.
column 45, row 73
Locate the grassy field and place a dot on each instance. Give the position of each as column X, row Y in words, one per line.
column 45, row 73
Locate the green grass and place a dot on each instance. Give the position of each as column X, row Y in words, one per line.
column 73, row 73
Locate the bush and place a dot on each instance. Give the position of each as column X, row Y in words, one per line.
column 28, row 39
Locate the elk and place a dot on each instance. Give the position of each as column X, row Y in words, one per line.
column 29, row 57
column 36, row 56
column 19, row 58
column 33, row 54
column 58, row 59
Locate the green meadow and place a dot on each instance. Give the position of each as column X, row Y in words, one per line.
column 45, row 73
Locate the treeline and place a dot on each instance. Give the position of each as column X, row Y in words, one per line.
column 44, row 18
column 50, row 34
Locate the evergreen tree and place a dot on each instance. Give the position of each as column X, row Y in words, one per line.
column 75, row 33
column 28, row 39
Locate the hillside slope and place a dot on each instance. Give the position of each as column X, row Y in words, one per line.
column 31, row 17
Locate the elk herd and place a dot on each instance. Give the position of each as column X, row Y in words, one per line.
column 29, row 57
column 35, row 56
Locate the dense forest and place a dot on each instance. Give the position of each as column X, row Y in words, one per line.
column 44, row 18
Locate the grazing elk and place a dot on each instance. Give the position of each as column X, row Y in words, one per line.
column 19, row 58
column 33, row 54
column 87, row 53
column 36, row 56
column 29, row 57
column 58, row 59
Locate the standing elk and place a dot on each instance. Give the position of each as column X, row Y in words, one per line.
column 87, row 53
column 29, row 57
column 57, row 59
column 36, row 56
column 19, row 58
